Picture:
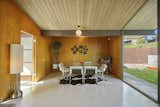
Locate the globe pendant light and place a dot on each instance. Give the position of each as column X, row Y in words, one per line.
column 78, row 31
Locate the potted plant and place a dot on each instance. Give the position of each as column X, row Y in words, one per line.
column 56, row 46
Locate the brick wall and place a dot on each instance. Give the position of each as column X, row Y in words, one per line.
column 138, row 55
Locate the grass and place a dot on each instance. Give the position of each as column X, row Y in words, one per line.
column 148, row 45
column 145, row 74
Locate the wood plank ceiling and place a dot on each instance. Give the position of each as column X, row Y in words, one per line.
column 89, row 14
column 146, row 18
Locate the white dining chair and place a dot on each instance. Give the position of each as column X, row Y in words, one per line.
column 94, row 68
column 101, row 70
column 64, row 70
column 73, row 73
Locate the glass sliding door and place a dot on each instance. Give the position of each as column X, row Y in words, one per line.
column 140, row 50
column 140, row 67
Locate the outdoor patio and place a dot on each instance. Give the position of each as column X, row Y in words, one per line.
column 146, row 87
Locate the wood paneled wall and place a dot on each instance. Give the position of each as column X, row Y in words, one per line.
column 13, row 21
column 115, row 50
column 97, row 48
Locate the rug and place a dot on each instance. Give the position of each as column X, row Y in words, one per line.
column 77, row 80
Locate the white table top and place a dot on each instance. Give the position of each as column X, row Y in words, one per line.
column 76, row 66
column 83, row 66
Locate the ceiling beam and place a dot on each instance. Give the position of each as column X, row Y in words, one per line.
column 99, row 33
column 84, row 33
column 138, row 32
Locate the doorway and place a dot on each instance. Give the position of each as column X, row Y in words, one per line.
column 28, row 74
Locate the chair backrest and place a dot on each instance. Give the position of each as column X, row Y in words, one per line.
column 103, row 67
column 76, row 69
column 90, row 70
column 61, row 67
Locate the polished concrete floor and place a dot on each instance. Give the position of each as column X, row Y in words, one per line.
column 110, row 93
column 149, row 88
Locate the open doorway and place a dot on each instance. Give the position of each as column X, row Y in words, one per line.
column 28, row 74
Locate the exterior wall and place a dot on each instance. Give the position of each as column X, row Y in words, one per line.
column 138, row 55
column 12, row 21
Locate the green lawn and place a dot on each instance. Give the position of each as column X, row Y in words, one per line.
column 143, row 45
column 145, row 74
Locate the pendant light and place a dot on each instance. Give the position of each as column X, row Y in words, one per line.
column 78, row 31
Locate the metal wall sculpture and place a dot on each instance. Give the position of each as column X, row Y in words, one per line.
column 82, row 49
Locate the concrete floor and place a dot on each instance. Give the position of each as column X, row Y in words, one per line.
column 110, row 93
column 146, row 87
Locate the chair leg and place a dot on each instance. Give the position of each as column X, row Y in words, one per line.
column 96, row 76
column 70, row 78
column 62, row 75
column 83, row 79
column 67, row 75
column 102, row 76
